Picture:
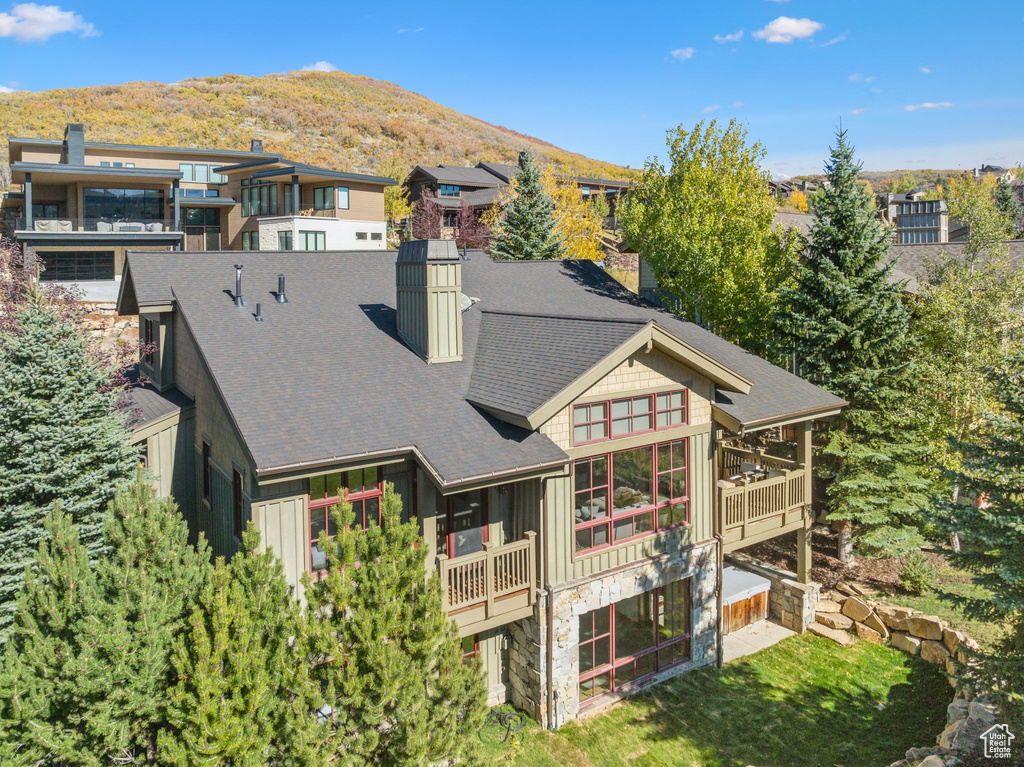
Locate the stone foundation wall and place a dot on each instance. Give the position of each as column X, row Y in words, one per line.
column 790, row 602
column 528, row 651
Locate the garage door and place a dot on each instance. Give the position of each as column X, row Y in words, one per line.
column 77, row 266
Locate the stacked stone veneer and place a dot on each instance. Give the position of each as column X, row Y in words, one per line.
column 528, row 651
column 790, row 602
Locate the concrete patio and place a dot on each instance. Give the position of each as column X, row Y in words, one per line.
column 753, row 638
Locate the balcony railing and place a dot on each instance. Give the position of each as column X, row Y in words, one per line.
column 749, row 502
column 733, row 459
column 497, row 581
column 141, row 226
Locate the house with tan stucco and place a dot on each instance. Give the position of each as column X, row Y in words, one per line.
column 580, row 462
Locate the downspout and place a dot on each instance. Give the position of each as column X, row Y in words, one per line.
column 720, row 540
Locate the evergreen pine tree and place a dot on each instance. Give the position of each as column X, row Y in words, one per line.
column 1010, row 206
column 847, row 324
column 61, row 439
column 991, row 531
column 244, row 695
column 386, row 653
column 526, row 229
column 92, row 662
column 42, row 665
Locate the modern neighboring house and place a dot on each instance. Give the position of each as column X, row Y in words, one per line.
column 479, row 186
column 921, row 222
column 994, row 171
column 84, row 204
column 579, row 462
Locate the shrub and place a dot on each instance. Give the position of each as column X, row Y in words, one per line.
column 917, row 574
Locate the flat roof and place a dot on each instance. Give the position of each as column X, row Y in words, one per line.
column 24, row 141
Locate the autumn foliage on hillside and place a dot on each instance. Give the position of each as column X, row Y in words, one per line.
column 332, row 119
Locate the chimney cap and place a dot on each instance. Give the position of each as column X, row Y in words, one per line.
column 427, row 251
column 256, row 145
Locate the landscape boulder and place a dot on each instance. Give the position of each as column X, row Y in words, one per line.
column 834, row 621
column 857, row 609
column 925, row 626
column 841, row 637
column 934, row 652
column 894, row 617
column 828, row 606
column 874, row 622
column 869, row 634
column 964, row 735
column 905, row 642
column 953, row 638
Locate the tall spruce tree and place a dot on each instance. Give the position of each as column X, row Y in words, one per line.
column 385, row 652
column 847, row 324
column 87, row 670
column 1009, row 205
column 244, row 694
column 526, row 229
column 991, row 530
column 61, row 439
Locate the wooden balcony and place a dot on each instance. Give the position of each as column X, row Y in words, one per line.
column 765, row 504
column 492, row 587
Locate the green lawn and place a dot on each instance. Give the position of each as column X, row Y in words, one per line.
column 806, row 702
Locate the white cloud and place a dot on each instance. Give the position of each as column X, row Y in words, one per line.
column 834, row 40
column 712, row 108
column 928, row 105
column 785, row 30
column 926, row 70
column 684, row 54
column 320, row 66
column 5, row 89
column 737, row 104
column 732, row 37
column 411, row 30
column 32, row 23
column 858, row 111
column 858, row 77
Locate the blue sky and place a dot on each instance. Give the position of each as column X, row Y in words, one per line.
column 932, row 84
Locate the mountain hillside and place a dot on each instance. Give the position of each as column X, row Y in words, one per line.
column 333, row 119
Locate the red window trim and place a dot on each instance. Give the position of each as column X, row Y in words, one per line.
column 475, row 652
column 608, row 416
column 655, row 507
column 614, row 663
column 326, row 503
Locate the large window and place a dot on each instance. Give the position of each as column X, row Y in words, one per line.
column 449, row 190
column 123, row 204
column 629, row 493
column 76, row 266
column 364, row 487
column 312, row 240
column 323, row 198
column 284, row 239
column 342, row 198
column 259, row 198
column 198, row 172
column 148, row 340
column 624, row 417
column 250, row 240
column 45, row 210
column 629, row 641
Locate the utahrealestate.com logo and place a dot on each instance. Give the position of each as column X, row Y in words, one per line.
column 997, row 742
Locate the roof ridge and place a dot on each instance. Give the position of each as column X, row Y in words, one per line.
column 584, row 318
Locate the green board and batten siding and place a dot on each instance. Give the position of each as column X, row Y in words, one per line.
column 282, row 523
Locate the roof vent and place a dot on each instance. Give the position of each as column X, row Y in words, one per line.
column 238, row 285
column 280, row 296
column 259, row 313
column 256, row 146
column 429, row 301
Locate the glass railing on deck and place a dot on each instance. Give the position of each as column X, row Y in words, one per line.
column 140, row 226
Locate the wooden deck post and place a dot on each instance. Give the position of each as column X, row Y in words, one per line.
column 803, row 535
